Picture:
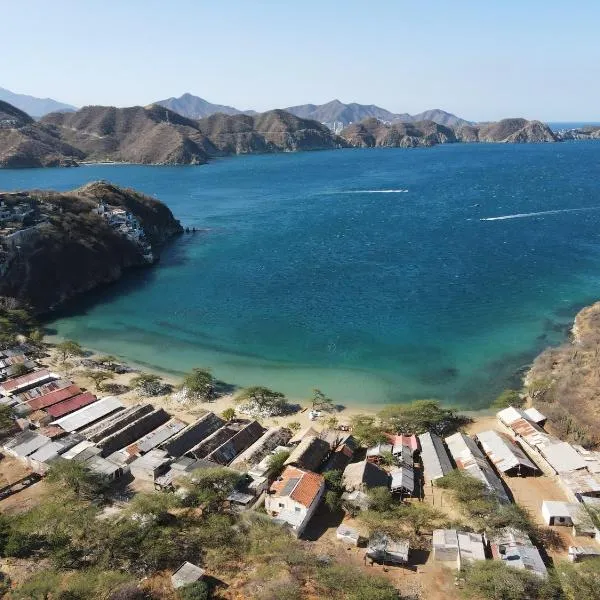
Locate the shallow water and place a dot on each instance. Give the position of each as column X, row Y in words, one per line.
column 366, row 273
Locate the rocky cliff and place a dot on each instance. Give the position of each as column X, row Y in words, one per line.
column 515, row 131
column 70, row 245
column 373, row 133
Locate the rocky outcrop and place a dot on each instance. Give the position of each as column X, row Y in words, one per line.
column 507, row 130
column 70, row 248
column 373, row 133
column 591, row 132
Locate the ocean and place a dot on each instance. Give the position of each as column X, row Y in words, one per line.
column 378, row 275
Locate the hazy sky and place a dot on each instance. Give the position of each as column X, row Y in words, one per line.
column 481, row 59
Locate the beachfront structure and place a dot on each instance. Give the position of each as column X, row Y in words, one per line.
column 469, row 458
column 41, row 460
column 180, row 468
column 66, row 407
column 307, row 432
column 579, row 485
column 309, row 453
column 456, row 548
column 516, row 549
column 504, row 454
column 294, row 497
column 378, row 451
column 402, row 442
column 434, row 457
column 341, row 456
column 25, row 443
column 186, row 574
column 84, row 417
column 115, row 421
column 26, row 382
column 241, row 440
column 36, row 392
column 581, row 553
column 156, row 437
column 364, row 475
column 50, row 398
column 132, row 431
column 271, row 439
column 192, row 435
column 383, row 549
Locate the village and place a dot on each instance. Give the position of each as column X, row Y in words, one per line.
column 511, row 456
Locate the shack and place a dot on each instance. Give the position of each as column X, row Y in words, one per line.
column 186, row 574
column 383, row 549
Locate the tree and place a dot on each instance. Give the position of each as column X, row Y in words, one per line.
column 98, row 378
column 419, row 417
column 77, row 477
column 264, row 400
column 36, row 336
column 381, row 499
column 580, row 581
column 294, row 426
column 332, row 422
column 276, row 463
column 68, row 349
column 19, row 369
column 335, row 488
column 7, row 419
column 508, row 398
column 420, row 515
column 228, row 413
column 366, row 430
column 320, row 401
column 200, row 384
column 209, row 488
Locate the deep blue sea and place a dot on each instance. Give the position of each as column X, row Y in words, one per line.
column 367, row 273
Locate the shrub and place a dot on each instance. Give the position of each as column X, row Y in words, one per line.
column 508, row 398
column 198, row 590
column 199, row 384
column 419, row 417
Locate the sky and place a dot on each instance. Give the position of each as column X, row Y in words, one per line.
column 480, row 59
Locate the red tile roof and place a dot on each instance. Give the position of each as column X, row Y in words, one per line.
column 305, row 491
column 67, row 406
column 53, row 397
column 13, row 384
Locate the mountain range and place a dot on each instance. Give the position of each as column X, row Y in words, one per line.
column 36, row 107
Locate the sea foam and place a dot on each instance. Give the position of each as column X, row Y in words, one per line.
column 543, row 212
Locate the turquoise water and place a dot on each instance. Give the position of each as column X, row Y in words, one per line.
column 306, row 275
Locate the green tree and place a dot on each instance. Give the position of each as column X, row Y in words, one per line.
column 98, row 378
column 580, row 581
column 19, row 369
column 228, row 413
column 149, row 384
column 419, row 417
column 334, row 489
column 68, row 349
column 419, row 516
column 7, row 419
column 366, row 430
column 508, row 398
column 276, row 463
column 320, row 401
column 200, row 384
column 381, row 499
column 294, row 426
column 264, row 399
column 76, row 477
column 209, row 488
column 36, row 336
column 40, row 586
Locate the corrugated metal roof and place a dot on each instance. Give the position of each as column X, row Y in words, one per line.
column 12, row 385
column 562, row 456
column 436, row 462
column 580, row 482
column 503, row 453
column 157, row 437
column 85, row 416
column 71, row 405
column 25, row 443
column 533, row 414
column 53, row 397
column 191, row 435
column 403, row 478
column 187, row 573
column 468, row 457
column 516, row 549
column 309, row 454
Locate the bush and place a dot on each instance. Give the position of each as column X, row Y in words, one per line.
column 199, row 384
column 78, row 478
column 339, row 581
column 419, row 417
column 508, row 398
column 366, row 430
column 276, row 463
column 198, row 590
column 263, row 402
column 149, row 384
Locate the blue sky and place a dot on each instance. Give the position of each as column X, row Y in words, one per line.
column 481, row 59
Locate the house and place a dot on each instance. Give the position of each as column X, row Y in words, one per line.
column 271, row 439
column 558, row 513
column 236, row 444
column 434, row 456
column 25, row 443
column 348, row 535
column 26, row 382
column 403, row 480
column 378, row 451
column 186, row 574
column 182, row 467
column 192, row 435
column 469, row 458
column 149, row 466
column 309, row 453
column 580, row 553
column 60, row 409
column 456, row 548
column 516, row 549
column 84, row 417
column 114, row 421
column 400, row 442
column 580, row 485
column 53, row 397
column 307, row 432
column 156, row 438
column 364, row 475
column 294, row 496
column 505, row 454
column 383, row 549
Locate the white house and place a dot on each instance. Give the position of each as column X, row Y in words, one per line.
column 294, row 496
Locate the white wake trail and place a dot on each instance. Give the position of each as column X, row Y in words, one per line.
column 543, row 212
column 374, row 192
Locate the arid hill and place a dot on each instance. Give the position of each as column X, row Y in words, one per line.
column 373, row 133
column 564, row 382
column 64, row 247
column 272, row 131
column 25, row 143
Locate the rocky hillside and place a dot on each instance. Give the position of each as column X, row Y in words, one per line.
column 150, row 135
column 273, row 131
column 591, row 132
column 564, row 382
column 65, row 247
column 194, row 107
column 506, row 130
column 373, row 133
column 25, row 143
